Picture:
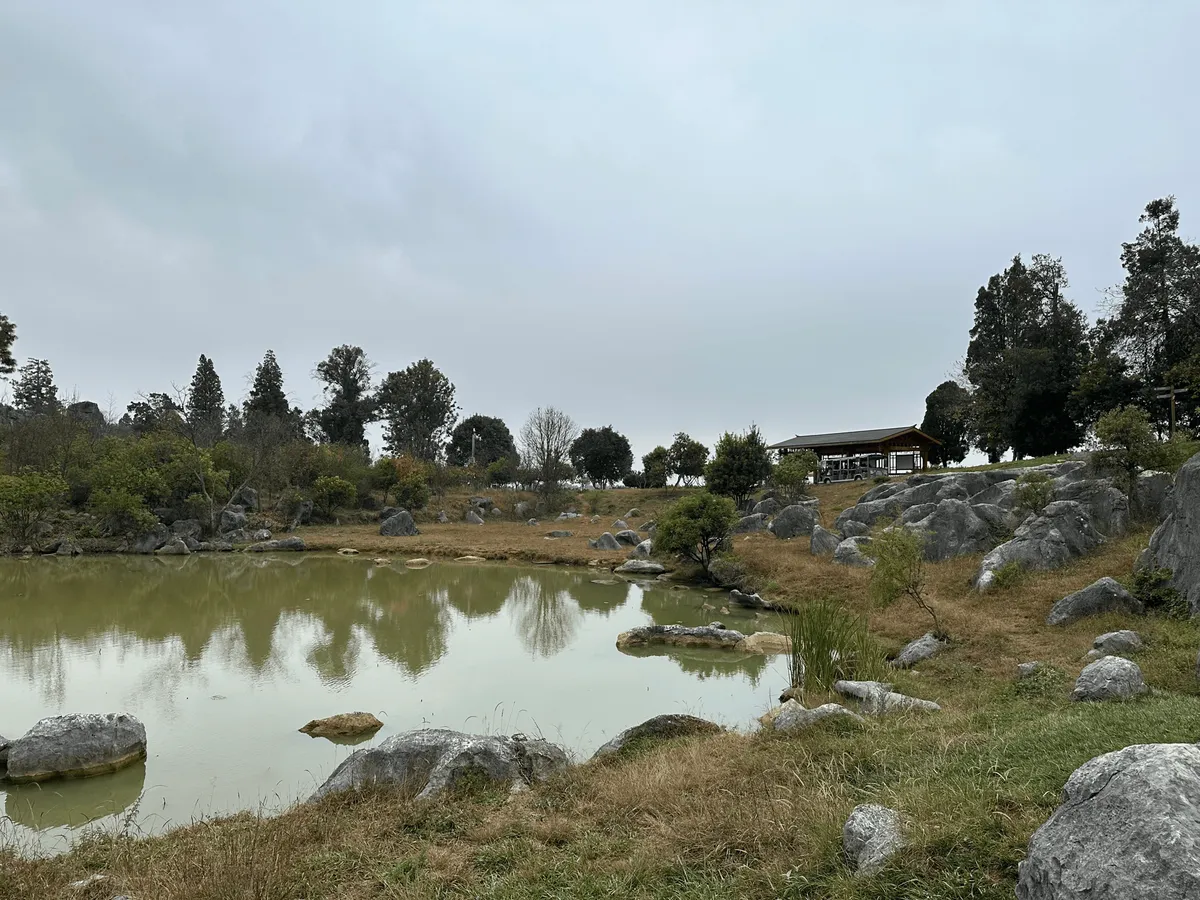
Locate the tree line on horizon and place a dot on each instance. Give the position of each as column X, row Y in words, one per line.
column 1037, row 377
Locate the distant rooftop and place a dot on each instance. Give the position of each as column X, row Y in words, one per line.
column 847, row 438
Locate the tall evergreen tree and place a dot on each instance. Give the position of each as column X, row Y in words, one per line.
column 35, row 391
column 206, row 404
column 493, row 441
column 266, row 395
column 418, row 407
column 948, row 418
column 349, row 406
column 8, row 337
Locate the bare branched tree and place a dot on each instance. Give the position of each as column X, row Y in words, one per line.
column 546, row 440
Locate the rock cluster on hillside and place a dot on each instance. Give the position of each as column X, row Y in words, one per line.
column 1175, row 544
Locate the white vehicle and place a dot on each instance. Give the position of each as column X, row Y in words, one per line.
column 852, row 468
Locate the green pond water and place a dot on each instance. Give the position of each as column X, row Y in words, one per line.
column 224, row 658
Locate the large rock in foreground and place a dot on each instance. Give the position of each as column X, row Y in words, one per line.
column 660, row 728
column 1175, row 544
column 870, row 837
column 399, row 524
column 797, row 520
column 1128, row 827
column 434, row 759
column 76, row 745
column 1103, row 596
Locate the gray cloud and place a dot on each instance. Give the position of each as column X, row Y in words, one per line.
column 664, row 216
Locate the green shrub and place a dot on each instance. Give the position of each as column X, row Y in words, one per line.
column 26, row 502
column 123, row 512
column 412, row 491
column 899, row 570
column 1153, row 587
column 696, row 526
column 790, row 475
column 828, row 644
column 740, row 465
column 331, row 492
column 1034, row 492
column 880, row 479
column 1009, row 575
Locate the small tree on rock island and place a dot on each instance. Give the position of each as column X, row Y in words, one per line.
column 546, row 439
column 655, row 466
column 686, row 459
column 697, row 526
column 602, row 455
column 899, row 570
column 740, row 465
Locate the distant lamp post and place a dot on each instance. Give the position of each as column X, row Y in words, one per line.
column 474, row 436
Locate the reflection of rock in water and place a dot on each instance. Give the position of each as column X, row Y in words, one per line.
column 546, row 618
column 707, row 663
column 74, row 802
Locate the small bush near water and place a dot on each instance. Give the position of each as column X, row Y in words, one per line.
column 829, row 643
column 1153, row 587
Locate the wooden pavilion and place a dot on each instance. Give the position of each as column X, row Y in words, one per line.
column 906, row 450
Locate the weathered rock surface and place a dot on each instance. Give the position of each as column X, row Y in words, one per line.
column 850, row 552
column 643, row 550
column 1109, row 678
column 5, row 743
column 399, row 524
column 1061, row 533
column 435, row 759
column 923, row 648
column 262, row 534
column 1028, row 669
column 878, row 698
column 620, row 525
column 173, row 547
column 282, row 544
column 750, row 524
column 797, row 520
column 751, row 601
column 233, row 518
column 186, row 528
column 660, row 728
column 342, row 725
column 1176, row 542
column 792, row 716
column 870, row 837
column 76, row 745
column 766, row 507
column 628, row 537
column 387, row 512
column 640, row 567
column 559, row 533
column 1123, row 641
column 151, row 540
column 766, row 643
column 1150, row 495
column 681, row 636
column 823, row 542
column 1103, row 596
column 605, row 542
column 247, row 498
column 1128, row 827
column 950, row 528
column 473, row 518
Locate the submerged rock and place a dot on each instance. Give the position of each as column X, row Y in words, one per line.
column 640, row 567
column 681, row 636
column 767, row 643
column 870, row 837
column 76, row 745
column 1128, row 827
column 435, row 759
column 660, row 728
column 280, row 545
column 342, row 725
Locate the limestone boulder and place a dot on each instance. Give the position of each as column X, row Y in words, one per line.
column 877, row 698
column 871, row 836
column 1115, row 642
column 797, row 520
column 750, row 524
column 767, row 507
column 1063, row 531
column 473, row 518
column 766, row 643
column 151, row 540
column 660, row 728
column 850, row 552
column 643, row 550
column 923, row 648
column 823, row 542
column 1128, row 827
column 1176, row 542
column 233, row 518
column 399, row 524
column 1104, row 596
column 1150, row 500
column 793, row 716
column 287, row 544
column 605, row 542
column 436, row 759
column 1109, row 678
column 681, row 636
column 174, row 547
column 640, row 567
column 76, row 745
column 186, row 528
column 952, row 528
column 559, row 533
column 628, row 537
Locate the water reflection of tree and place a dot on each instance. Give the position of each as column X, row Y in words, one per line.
column 708, row 663
column 546, row 615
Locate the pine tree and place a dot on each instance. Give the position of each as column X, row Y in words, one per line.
column 349, row 405
column 8, row 337
column 35, row 391
column 266, row 395
column 206, row 404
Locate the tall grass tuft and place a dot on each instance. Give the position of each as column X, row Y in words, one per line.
column 830, row 643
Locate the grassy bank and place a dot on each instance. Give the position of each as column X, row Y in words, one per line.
column 731, row 815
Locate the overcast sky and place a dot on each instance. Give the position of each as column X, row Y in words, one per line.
column 661, row 215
